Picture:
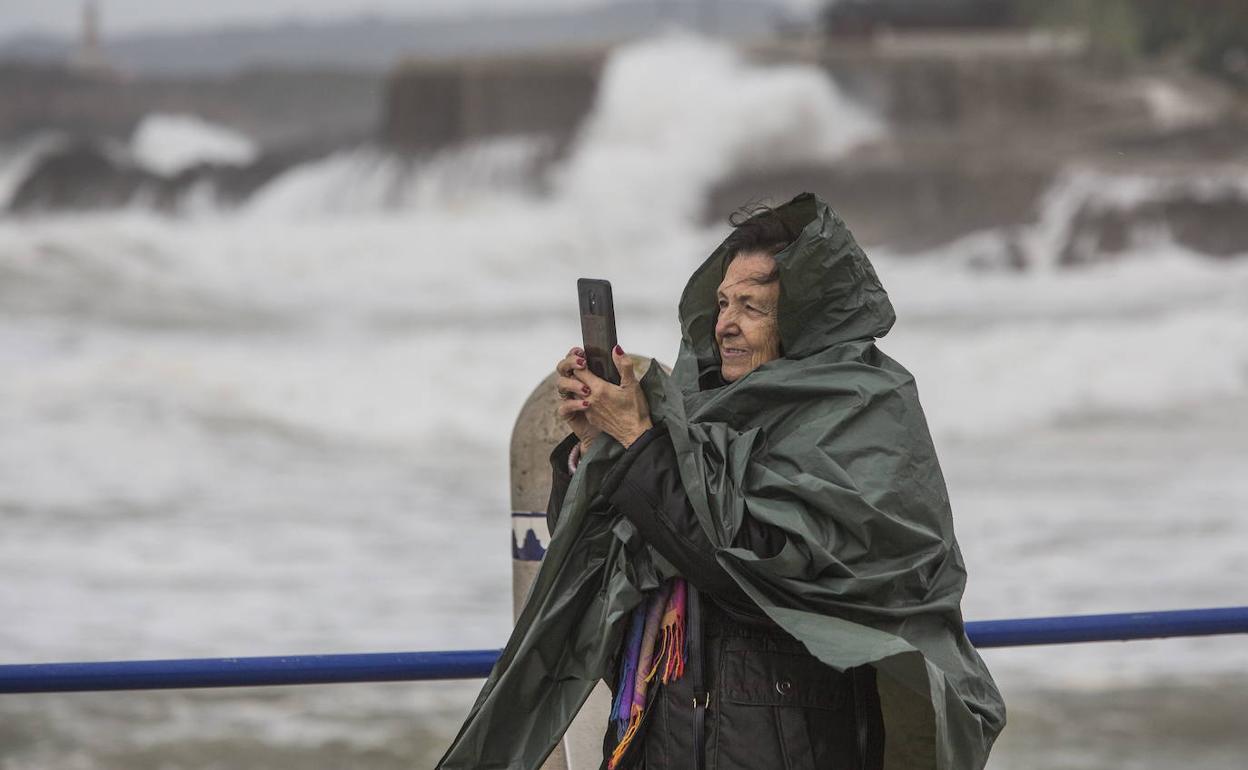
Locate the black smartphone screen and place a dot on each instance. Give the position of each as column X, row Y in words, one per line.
column 598, row 326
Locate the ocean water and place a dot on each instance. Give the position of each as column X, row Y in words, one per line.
column 282, row 427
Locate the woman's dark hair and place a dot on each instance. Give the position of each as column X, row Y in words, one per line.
column 758, row 229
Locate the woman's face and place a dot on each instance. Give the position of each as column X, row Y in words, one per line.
column 746, row 333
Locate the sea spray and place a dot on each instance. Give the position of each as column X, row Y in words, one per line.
column 169, row 143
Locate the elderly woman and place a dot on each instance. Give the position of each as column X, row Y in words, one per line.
column 757, row 551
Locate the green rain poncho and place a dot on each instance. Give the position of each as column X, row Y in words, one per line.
column 828, row 444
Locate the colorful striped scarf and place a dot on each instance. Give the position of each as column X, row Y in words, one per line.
column 655, row 644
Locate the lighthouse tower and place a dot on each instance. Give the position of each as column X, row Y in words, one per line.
column 89, row 57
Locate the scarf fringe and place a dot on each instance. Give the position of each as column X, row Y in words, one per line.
column 675, row 667
column 634, row 722
column 671, row 657
column 662, row 655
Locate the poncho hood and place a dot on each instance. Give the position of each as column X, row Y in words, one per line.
column 829, row 445
column 829, row 293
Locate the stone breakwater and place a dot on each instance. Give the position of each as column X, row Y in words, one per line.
column 439, row 103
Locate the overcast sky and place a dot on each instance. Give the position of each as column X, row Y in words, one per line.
column 121, row 17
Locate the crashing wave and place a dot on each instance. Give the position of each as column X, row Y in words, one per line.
column 169, row 144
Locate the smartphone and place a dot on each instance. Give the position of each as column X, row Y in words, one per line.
column 598, row 326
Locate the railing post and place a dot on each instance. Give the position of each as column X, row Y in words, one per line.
column 536, row 432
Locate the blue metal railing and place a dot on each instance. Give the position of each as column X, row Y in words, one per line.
column 1114, row 627
column 470, row 664
column 245, row 672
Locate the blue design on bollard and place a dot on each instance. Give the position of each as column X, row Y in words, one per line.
column 529, row 535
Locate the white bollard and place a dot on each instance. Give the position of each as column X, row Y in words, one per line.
column 537, row 430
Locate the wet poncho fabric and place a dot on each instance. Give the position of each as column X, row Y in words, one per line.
column 827, row 444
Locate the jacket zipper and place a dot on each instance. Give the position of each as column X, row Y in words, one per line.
column 701, row 698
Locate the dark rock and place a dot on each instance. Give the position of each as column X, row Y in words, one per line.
column 86, row 175
column 82, row 175
column 1216, row 226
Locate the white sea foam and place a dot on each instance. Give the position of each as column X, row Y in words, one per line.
column 366, row 180
column 168, row 143
column 662, row 148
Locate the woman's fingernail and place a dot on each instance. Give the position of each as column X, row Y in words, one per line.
column 585, row 389
column 580, row 362
column 619, row 351
column 584, row 403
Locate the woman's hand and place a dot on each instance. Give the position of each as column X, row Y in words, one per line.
column 572, row 392
column 620, row 411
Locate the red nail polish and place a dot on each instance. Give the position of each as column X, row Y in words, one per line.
column 584, row 403
column 580, row 362
column 619, row 351
column 585, row 389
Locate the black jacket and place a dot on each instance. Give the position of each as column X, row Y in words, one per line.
column 771, row 703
